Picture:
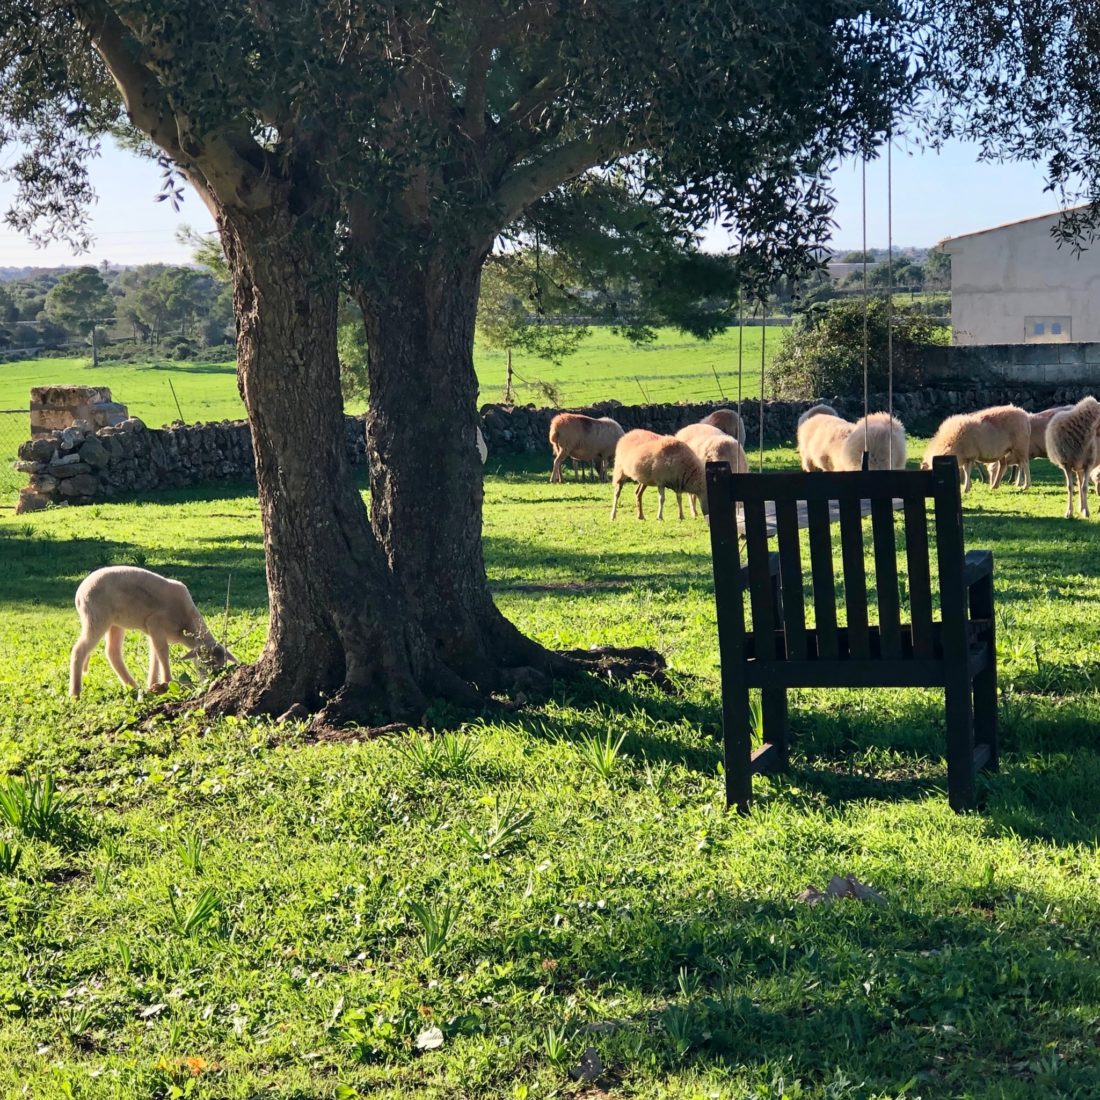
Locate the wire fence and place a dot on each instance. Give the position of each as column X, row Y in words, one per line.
column 14, row 431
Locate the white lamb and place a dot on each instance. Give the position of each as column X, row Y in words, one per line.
column 1072, row 445
column 1003, row 432
column 881, row 435
column 584, row 439
column 121, row 597
column 821, row 435
column 712, row 444
column 661, row 460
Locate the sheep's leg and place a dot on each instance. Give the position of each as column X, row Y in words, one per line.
column 1024, row 474
column 78, row 658
column 680, row 503
column 638, row 500
column 615, row 498
column 114, row 656
column 966, row 476
column 1069, row 492
column 1083, row 483
column 159, row 643
column 691, row 501
column 555, row 473
column 601, row 468
column 996, row 472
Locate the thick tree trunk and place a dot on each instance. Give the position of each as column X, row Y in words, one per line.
column 339, row 636
column 426, row 474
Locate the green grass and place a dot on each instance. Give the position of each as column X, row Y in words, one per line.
column 227, row 909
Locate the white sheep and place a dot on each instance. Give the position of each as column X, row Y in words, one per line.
column 118, row 598
column 1072, row 445
column 482, row 448
column 821, row 435
column 1038, row 423
column 712, row 444
column 660, row 460
column 883, row 438
column 1003, row 432
column 584, row 439
column 728, row 421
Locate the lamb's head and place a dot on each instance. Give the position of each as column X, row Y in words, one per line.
column 210, row 656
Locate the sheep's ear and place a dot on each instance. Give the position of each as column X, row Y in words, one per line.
column 191, row 654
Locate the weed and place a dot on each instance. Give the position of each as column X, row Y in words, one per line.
column 189, row 845
column 436, row 926
column 555, row 1046
column 10, row 856
column 199, row 913
column 450, row 755
column 601, row 755
column 33, row 806
column 505, row 829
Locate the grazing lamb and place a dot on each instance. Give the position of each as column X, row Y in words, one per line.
column 881, row 435
column 1039, row 423
column 999, row 433
column 1072, row 445
column 728, row 421
column 121, row 597
column 584, row 439
column 711, row 444
column 660, row 460
column 821, row 434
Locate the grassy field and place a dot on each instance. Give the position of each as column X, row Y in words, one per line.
column 228, row 909
column 675, row 368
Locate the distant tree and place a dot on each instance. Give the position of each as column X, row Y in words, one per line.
column 80, row 300
column 937, row 270
column 856, row 257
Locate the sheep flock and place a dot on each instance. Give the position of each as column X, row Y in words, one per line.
column 994, row 440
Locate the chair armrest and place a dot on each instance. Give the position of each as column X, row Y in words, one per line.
column 977, row 565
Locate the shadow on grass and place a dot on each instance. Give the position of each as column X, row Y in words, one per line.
column 186, row 367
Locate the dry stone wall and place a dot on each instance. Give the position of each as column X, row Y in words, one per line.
column 77, row 465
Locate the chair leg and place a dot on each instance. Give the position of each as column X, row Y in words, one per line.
column 737, row 743
column 773, row 706
column 960, row 744
column 985, row 683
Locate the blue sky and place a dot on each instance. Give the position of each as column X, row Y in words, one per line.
column 934, row 196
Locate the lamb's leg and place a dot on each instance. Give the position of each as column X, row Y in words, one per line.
column 114, row 656
column 966, row 476
column 691, row 501
column 78, row 658
column 1083, row 483
column 555, row 473
column 156, row 674
column 1069, row 492
column 615, row 498
column 680, row 504
column 159, row 644
column 638, row 500
column 1024, row 474
column 601, row 468
column 996, row 472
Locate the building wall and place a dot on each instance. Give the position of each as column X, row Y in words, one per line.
column 1007, row 282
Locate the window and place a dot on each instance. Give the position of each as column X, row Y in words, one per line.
column 1048, row 330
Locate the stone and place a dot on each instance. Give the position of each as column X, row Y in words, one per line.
column 37, row 450
column 133, row 424
column 71, row 438
column 29, row 467
column 94, row 453
column 84, row 485
column 43, row 483
column 68, row 469
column 65, row 460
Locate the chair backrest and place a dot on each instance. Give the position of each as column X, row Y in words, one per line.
column 813, row 501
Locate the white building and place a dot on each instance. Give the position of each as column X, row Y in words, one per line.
column 1012, row 284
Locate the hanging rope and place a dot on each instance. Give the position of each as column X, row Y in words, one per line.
column 890, row 289
column 740, row 348
column 763, row 346
column 866, row 399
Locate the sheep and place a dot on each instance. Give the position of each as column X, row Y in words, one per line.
column 728, row 421
column 1038, row 422
column 883, row 438
column 821, row 434
column 584, row 439
column 1000, row 432
column 118, row 598
column 661, row 460
column 711, row 444
column 1072, row 445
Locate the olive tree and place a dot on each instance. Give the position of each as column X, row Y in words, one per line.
column 387, row 145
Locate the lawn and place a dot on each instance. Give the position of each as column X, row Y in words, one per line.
column 229, row 909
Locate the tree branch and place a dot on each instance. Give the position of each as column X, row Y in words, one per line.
column 528, row 182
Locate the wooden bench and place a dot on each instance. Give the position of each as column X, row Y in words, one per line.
column 956, row 651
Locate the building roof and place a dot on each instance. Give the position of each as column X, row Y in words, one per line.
column 1009, row 225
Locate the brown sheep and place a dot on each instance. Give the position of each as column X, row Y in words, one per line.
column 821, row 434
column 584, row 439
column 882, row 436
column 971, row 438
column 713, row 445
column 660, row 460
column 1039, row 423
column 728, row 421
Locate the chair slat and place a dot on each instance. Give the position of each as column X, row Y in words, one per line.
column 855, row 577
column 920, row 582
column 900, row 484
column 824, row 586
column 886, row 576
column 790, row 569
column 760, row 585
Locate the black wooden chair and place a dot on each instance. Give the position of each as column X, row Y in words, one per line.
column 957, row 651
